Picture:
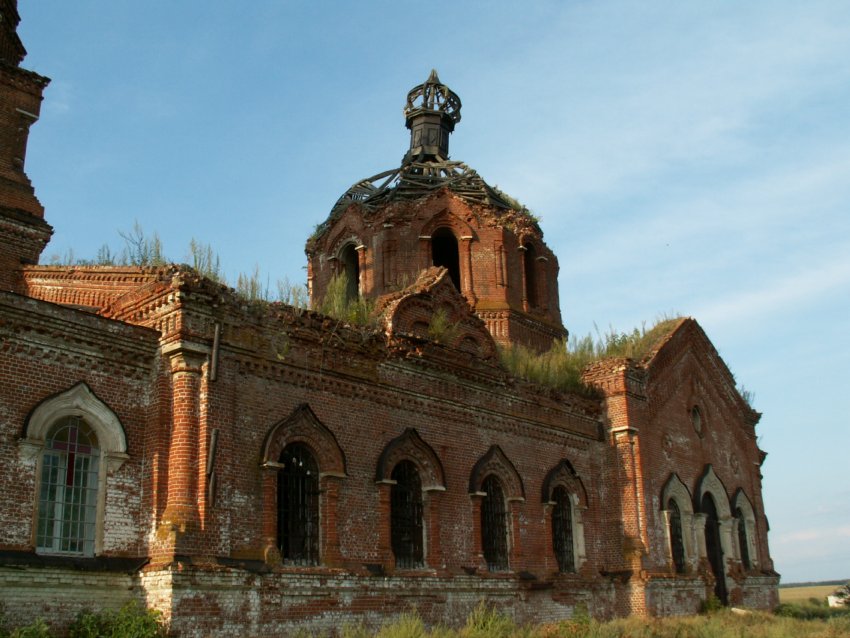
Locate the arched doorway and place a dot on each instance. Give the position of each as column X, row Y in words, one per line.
column 713, row 547
column 444, row 252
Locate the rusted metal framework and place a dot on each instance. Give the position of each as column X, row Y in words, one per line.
column 431, row 112
column 418, row 179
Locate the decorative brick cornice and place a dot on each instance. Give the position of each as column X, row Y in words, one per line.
column 46, row 331
column 23, row 79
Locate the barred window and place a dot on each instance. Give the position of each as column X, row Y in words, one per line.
column 742, row 539
column 67, row 503
column 494, row 537
column 562, row 530
column 406, row 516
column 677, row 545
column 298, row 506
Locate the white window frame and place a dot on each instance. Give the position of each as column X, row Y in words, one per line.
column 78, row 401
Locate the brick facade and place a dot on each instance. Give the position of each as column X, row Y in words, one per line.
column 193, row 396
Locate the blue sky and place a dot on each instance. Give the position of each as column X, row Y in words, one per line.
column 688, row 157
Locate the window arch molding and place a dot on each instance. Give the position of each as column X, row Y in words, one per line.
column 675, row 490
column 77, row 401
column 741, row 503
column 723, row 545
column 80, row 402
column 710, row 483
column 409, row 446
column 302, row 427
column 563, row 475
column 495, row 462
column 417, row 514
column 496, row 522
column 447, row 219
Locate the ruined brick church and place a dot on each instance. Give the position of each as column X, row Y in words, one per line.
column 252, row 469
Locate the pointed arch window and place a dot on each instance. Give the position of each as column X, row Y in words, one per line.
column 406, row 515
column 677, row 543
column 562, row 530
column 68, row 491
column 298, row 506
column 349, row 262
column 743, row 541
column 445, row 252
column 494, row 533
column 714, row 546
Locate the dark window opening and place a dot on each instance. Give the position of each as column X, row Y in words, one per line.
column 406, row 516
column 530, row 263
column 714, row 548
column 350, row 267
column 67, row 503
column 677, row 544
column 562, row 530
column 298, row 506
column 494, row 536
column 742, row 539
column 444, row 252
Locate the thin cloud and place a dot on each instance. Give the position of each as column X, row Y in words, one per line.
column 782, row 294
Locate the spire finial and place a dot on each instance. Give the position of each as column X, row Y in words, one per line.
column 431, row 112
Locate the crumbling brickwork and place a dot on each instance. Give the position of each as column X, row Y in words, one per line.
column 234, row 464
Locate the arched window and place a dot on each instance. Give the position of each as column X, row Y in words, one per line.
column 406, row 515
column 562, row 530
column 743, row 542
column 713, row 546
column 746, row 522
column 68, row 492
column 677, row 544
column 494, row 536
column 444, row 252
column 530, row 267
column 350, row 267
column 298, row 506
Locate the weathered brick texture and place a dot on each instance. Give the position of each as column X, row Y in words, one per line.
column 195, row 394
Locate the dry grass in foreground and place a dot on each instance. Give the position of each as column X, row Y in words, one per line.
column 487, row 623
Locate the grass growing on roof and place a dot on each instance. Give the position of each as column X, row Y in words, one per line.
column 561, row 366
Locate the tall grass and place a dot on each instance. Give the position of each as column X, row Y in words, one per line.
column 487, row 622
column 336, row 303
column 561, row 366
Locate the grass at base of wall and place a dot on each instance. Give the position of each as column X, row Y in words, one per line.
column 791, row 621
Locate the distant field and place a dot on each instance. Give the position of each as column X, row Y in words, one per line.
column 802, row 594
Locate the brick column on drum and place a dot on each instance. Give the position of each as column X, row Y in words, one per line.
column 468, row 286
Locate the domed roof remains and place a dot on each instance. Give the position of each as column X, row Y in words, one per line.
column 431, row 112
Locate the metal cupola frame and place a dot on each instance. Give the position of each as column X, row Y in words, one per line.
column 431, row 112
